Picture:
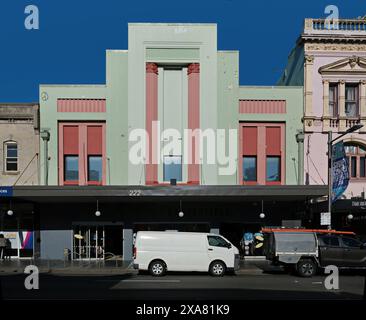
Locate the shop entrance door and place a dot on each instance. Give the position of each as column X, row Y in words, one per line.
column 88, row 242
column 97, row 242
column 113, row 242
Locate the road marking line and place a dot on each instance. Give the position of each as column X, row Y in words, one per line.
column 129, row 280
column 150, row 280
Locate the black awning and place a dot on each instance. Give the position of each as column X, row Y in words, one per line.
column 342, row 205
column 166, row 193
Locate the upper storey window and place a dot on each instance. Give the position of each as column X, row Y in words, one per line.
column 356, row 154
column 82, row 153
column 352, row 100
column 333, row 100
column 344, row 84
column 262, row 153
column 11, row 156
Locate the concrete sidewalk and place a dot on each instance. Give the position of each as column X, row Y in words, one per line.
column 70, row 267
column 92, row 267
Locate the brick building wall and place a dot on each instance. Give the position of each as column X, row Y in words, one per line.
column 19, row 127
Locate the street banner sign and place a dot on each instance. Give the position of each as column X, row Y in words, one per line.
column 340, row 171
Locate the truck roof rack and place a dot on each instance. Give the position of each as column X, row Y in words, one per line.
column 322, row 231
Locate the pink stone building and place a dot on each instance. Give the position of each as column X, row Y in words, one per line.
column 329, row 60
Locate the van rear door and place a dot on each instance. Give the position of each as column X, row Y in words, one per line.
column 219, row 249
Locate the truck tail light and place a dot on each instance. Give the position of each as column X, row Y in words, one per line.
column 134, row 252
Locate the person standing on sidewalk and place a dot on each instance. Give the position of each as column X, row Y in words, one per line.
column 2, row 246
column 7, row 249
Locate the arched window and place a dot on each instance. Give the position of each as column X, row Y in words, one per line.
column 11, row 156
column 357, row 159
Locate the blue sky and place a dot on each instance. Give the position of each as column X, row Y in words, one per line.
column 69, row 47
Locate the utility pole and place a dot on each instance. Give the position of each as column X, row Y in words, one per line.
column 330, row 180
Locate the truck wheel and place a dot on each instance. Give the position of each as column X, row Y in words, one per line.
column 217, row 268
column 157, row 268
column 306, row 268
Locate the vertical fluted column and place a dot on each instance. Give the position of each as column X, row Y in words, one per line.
column 194, row 121
column 309, row 62
column 151, row 176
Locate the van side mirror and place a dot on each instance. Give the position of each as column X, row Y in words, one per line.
column 229, row 245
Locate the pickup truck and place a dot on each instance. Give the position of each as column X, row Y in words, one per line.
column 307, row 251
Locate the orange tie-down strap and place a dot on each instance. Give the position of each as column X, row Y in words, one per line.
column 268, row 230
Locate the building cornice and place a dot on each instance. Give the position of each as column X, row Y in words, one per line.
column 335, row 47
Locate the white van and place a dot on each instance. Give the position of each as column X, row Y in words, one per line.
column 162, row 251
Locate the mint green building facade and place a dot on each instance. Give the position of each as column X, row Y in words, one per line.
column 172, row 74
column 294, row 111
column 125, row 99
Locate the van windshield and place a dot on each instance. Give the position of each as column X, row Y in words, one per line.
column 217, row 241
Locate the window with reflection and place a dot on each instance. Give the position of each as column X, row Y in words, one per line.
column 95, row 168
column 273, row 168
column 71, row 164
column 216, row 241
column 333, row 99
column 249, row 168
column 11, row 156
column 172, row 168
column 351, row 104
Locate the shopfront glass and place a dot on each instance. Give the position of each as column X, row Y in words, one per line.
column 88, row 242
column 97, row 242
column 18, row 232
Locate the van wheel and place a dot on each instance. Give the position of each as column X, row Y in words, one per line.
column 217, row 268
column 157, row 268
column 306, row 268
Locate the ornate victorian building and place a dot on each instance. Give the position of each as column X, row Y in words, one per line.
column 329, row 60
column 331, row 64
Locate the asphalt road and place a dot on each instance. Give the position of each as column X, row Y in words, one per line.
column 131, row 286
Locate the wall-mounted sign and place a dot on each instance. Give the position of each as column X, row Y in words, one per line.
column 359, row 203
column 6, row 191
column 325, row 219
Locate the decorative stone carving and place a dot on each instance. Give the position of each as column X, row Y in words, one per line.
column 353, row 64
column 334, row 47
column 353, row 61
column 193, row 68
column 151, row 67
column 309, row 58
column 44, row 96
